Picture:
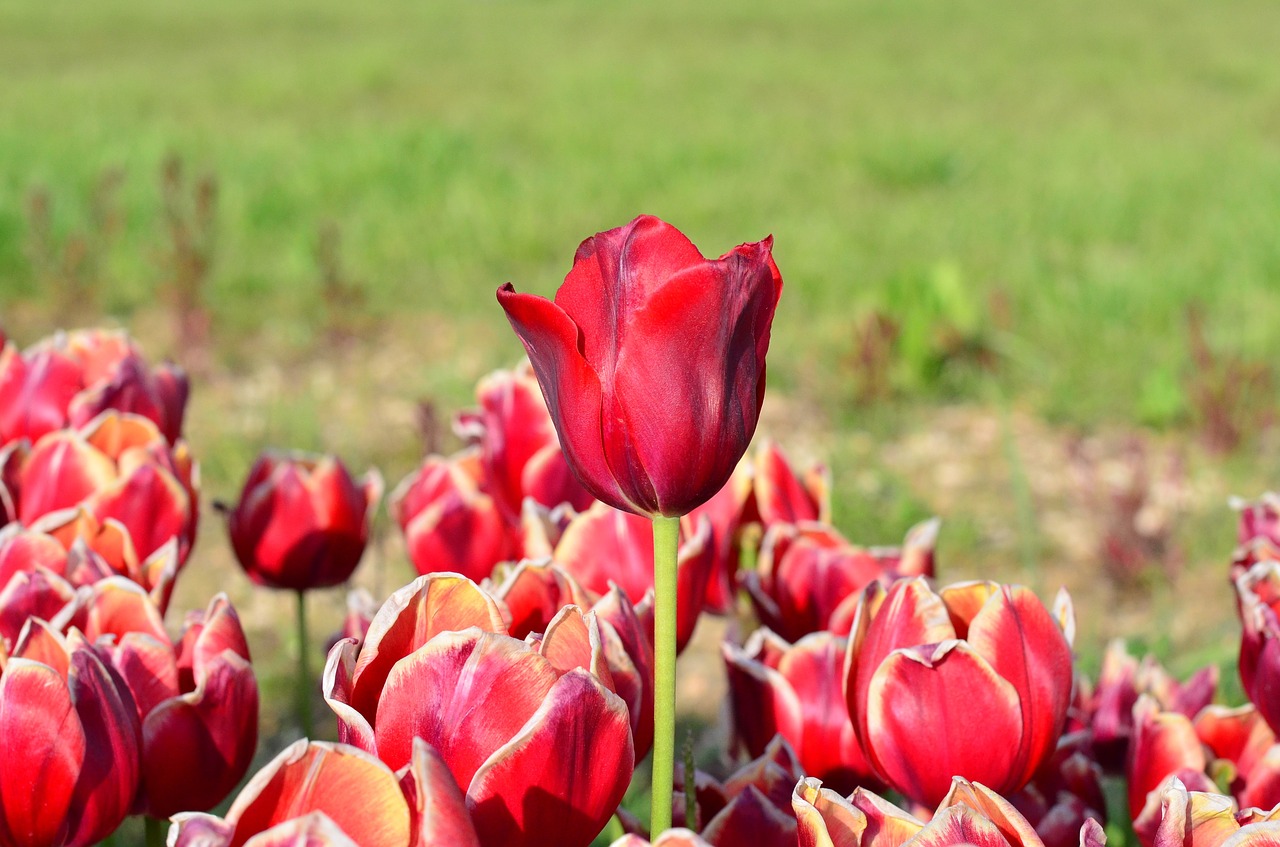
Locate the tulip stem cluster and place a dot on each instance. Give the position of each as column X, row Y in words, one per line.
column 304, row 671
column 666, row 538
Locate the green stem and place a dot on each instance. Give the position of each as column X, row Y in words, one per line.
column 666, row 540
column 304, row 670
column 156, row 830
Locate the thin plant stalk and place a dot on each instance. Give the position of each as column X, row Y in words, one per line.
column 156, row 830
column 304, row 670
column 666, row 539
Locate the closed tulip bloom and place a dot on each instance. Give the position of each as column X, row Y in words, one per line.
column 810, row 577
column 307, row 796
column 302, row 522
column 780, row 495
column 450, row 525
column 1164, row 744
column 197, row 699
column 652, row 362
column 1183, row 815
column 990, row 657
column 552, row 757
column 68, row 742
column 1258, row 602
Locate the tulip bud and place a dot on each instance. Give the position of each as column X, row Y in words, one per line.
column 302, row 522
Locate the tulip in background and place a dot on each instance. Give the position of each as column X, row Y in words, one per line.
column 990, row 657
column 553, row 754
column 1258, row 602
column 301, row 523
column 652, row 362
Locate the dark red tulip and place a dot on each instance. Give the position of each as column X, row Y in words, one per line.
column 1064, row 793
column 1258, row 532
column 68, row 742
column 1258, row 603
column 780, row 495
column 552, row 757
column 197, row 700
column 603, row 546
column 302, row 522
column 1164, row 744
column 652, row 362
column 316, row 794
column 450, row 525
column 796, row 691
column 809, row 577
column 990, row 657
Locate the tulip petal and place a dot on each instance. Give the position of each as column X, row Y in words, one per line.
column 42, row 749
column 1256, row 835
column 466, row 694
column 313, row 830
column 935, row 713
column 560, row 779
column 1015, row 634
column 439, row 809
column 957, row 825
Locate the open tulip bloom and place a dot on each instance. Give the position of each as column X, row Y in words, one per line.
column 652, row 362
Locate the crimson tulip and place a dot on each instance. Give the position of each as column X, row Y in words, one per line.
column 990, row 657
column 197, row 700
column 1258, row 599
column 68, row 742
column 780, row 495
column 970, row 813
column 553, row 756
column 1163, row 744
column 810, row 578
column 449, row 523
column 795, row 691
column 534, row 592
column 1258, row 532
column 116, row 467
column 333, row 795
column 603, row 546
column 642, row 308
column 1246, row 755
column 302, row 522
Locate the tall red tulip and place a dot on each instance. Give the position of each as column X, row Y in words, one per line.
column 652, row 363
column 989, row 657
column 302, row 522
column 643, row 309
column 68, row 742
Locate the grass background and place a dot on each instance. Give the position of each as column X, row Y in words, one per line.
column 1058, row 182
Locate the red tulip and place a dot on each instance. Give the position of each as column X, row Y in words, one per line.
column 1258, row 534
column 810, row 578
column 970, row 813
column 553, row 755
column 642, row 309
column 779, row 495
column 1182, row 816
column 302, row 522
column 989, row 657
column 1258, row 599
column 449, row 524
column 70, row 379
column 795, row 691
column 1164, row 744
column 1245, row 753
column 520, row 454
column 602, row 546
column 535, row 592
column 197, row 700
column 117, row 466
column 316, row 794
column 68, row 742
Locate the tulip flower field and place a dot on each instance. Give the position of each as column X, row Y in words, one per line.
column 610, row 494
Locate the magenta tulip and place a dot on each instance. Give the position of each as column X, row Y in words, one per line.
column 642, row 308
